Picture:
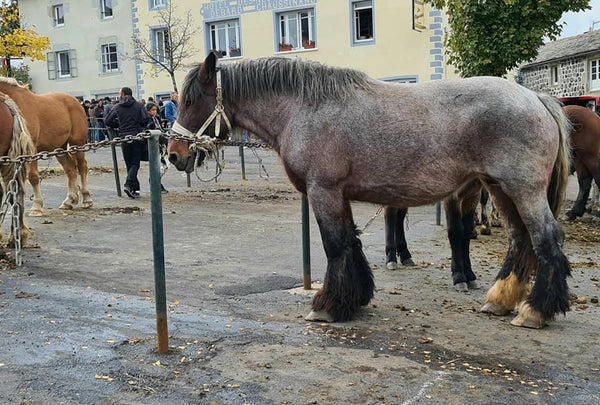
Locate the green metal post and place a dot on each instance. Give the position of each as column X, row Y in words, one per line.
column 306, row 244
column 189, row 180
column 438, row 213
column 243, row 162
column 162, row 335
column 116, row 168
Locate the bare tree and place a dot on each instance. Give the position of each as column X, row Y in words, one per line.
column 171, row 45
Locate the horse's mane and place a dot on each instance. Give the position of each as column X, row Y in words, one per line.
column 11, row 81
column 308, row 81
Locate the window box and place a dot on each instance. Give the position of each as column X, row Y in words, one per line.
column 308, row 44
column 285, row 47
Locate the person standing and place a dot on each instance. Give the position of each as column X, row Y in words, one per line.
column 131, row 118
column 171, row 109
column 154, row 123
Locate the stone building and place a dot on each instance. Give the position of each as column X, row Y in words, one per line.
column 565, row 68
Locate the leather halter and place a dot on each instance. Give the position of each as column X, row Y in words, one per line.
column 217, row 114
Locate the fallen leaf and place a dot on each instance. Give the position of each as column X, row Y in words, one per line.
column 143, row 290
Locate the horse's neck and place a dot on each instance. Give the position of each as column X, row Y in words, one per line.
column 15, row 92
column 264, row 119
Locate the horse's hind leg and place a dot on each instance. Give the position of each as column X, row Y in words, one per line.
column 348, row 282
column 584, row 178
column 38, row 201
column 485, row 222
column 512, row 282
column 390, row 215
column 401, row 245
column 82, row 167
column 69, row 167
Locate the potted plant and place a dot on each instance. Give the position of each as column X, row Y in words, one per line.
column 308, row 44
column 284, row 47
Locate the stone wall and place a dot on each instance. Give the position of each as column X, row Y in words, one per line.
column 572, row 79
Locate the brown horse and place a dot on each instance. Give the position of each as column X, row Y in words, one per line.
column 343, row 136
column 54, row 120
column 14, row 141
column 585, row 144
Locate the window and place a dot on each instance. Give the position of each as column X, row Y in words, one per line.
column 157, row 4
column 296, row 30
column 64, row 65
column 595, row 74
column 554, row 75
column 110, row 62
column 106, row 9
column 362, row 27
column 162, row 47
column 58, row 14
column 225, row 38
column 402, row 79
column 61, row 64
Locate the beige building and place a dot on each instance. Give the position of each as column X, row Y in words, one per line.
column 396, row 40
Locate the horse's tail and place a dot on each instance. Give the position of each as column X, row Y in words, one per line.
column 20, row 144
column 560, row 173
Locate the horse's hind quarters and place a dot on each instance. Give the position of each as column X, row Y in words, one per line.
column 319, row 316
column 528, row 317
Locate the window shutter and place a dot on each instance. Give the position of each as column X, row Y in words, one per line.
column 73, row 62
column 51, row 63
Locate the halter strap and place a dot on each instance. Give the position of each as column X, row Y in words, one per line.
column 217, row 114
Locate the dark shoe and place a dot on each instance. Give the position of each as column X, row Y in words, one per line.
column 136, row 193
column 129, row 192
column 163, row 189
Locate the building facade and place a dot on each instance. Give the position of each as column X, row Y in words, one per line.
column 565, row 68
column 93, row 54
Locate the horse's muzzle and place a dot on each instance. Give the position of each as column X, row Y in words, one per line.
column 183, row 163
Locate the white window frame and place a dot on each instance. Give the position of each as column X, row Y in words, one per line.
column 595, row 74
column 160, row 38
column 157, row 4
column 554, row 75
column 59, row 64
column 105, row 7
column 232, row 34
column 291, row 31
column 110, row 58
column 358, row 7
column 58, row 14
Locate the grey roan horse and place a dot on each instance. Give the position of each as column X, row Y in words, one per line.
column 343, row 136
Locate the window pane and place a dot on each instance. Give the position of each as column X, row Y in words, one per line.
column 293, row 27
column 363, row 20
column 304, row 27
column 107, row 8
column 63, row 64
column 59, row 15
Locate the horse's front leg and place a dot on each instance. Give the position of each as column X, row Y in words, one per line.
column 82, row 168
column 390, row 215
column 401, row 244
column 69, row 167
column 38, row 201
column 348, row 282
column 456, row 236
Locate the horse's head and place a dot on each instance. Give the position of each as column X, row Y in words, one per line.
column 200, row 112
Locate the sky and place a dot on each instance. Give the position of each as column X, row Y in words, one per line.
column 578, row 23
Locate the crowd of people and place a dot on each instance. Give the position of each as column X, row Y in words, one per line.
column 130, row 117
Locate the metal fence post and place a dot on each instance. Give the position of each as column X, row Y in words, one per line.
column 162, row 335
column 306, row 244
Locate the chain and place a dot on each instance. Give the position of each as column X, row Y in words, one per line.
column 10, row 202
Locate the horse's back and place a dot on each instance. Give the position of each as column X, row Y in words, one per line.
column 61, row 120
column 586, row 129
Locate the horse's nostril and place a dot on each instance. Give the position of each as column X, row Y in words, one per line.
column 173, row 157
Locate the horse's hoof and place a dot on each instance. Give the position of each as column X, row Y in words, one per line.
column 408, row 262
column 391, row 265
column 473, row 285
column 87, row 204
column 319, row 316
column 528, row 317
column 494, row 309
column 462, row 287
column 485, row 230
column 65, row 206
column 35, row 213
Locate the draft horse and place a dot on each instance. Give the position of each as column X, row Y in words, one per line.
column 585, row 144
column 54, row 120
column 343, row 136
column 14, row 141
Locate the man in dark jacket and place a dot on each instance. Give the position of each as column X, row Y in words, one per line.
column 131, row 119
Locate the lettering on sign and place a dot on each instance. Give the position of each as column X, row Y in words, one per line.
column 227, row 8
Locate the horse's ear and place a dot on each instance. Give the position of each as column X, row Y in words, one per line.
column 207, row 71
